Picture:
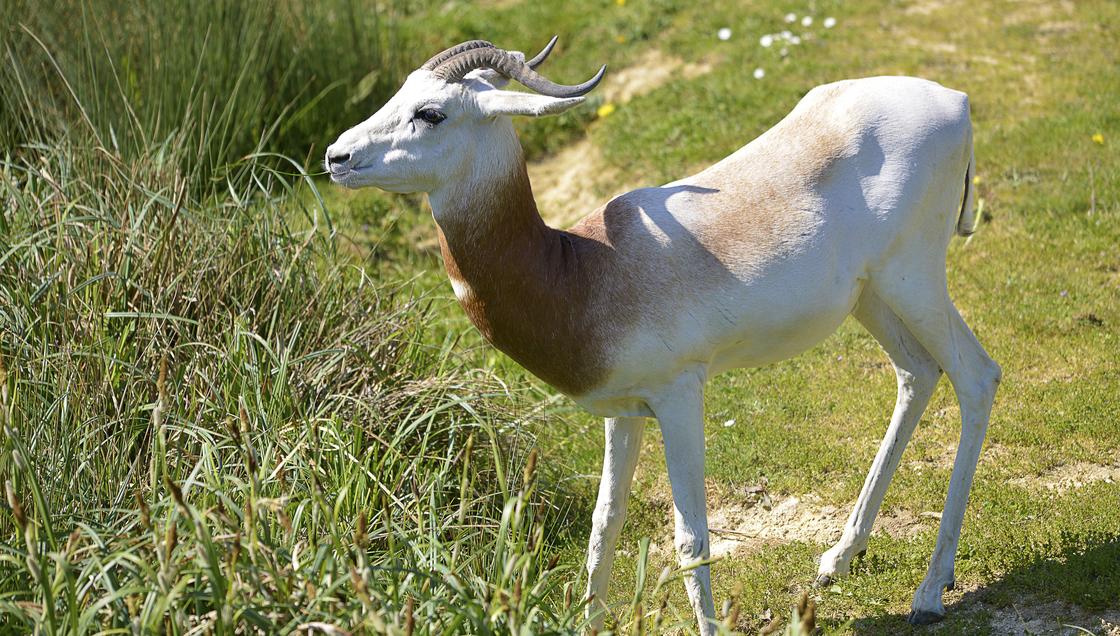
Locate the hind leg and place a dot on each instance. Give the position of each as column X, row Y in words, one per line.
column 917, row 374
column 920, row 298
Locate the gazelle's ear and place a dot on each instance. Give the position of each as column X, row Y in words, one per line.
column 499, row 102
column 493, row 78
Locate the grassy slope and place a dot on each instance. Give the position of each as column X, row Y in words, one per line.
column 1038, row 284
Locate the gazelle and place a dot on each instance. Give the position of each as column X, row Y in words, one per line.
column 846, row 206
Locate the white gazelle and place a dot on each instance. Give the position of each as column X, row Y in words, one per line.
column 846, row 206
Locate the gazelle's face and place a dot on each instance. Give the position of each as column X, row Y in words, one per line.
column 432, row 131
column 417, row 137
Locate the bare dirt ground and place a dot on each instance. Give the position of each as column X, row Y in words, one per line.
column 1071, row 476
column 742, row 527
column 1028, row 618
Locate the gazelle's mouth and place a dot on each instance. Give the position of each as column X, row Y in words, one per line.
column 340, row 176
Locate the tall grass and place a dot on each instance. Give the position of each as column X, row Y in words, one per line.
column 196, row 84
column 213, row 423
column 212, row 420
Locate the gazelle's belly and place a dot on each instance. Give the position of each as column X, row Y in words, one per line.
column 741, row 326
column 772, row 341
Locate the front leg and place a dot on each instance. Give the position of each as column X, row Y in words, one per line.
column 620, row 457
column 681, row 417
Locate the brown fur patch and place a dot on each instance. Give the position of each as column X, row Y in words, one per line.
column 531, row 289
column 766, row 191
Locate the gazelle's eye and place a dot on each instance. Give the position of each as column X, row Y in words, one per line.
column 430, row 116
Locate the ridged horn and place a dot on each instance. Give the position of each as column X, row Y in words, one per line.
column 455, row 68
column 451, row 52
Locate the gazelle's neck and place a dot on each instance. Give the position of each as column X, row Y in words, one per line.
column 491, row 210
column 521, row 282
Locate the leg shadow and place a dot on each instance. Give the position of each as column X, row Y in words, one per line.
column 1080, row 586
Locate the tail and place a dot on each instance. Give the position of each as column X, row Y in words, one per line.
column 966, row 223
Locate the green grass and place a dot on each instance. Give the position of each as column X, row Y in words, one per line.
column 319, row 372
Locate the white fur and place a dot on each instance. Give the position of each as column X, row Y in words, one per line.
column 873, row 203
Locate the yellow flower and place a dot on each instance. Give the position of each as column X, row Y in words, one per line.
column 621, row 3
column 621, row 39
column 1099, row 138
column 976, row 180
column 605, row 110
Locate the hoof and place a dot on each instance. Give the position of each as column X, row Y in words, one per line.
column 823, row 580
column 923, row 617
column 952, row 584
column 861, row 553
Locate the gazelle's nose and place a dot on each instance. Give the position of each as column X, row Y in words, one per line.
column 337, row 158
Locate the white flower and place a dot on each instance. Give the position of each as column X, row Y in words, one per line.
column 791, row 17
column 724, row 33
column 759, row 73
column 784, row 52
column 786, row 35
column 829, row 22
column 766, row 40
column 807, row 21
column 729, row 423
column 795, row 40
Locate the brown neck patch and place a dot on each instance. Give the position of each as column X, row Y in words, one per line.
column 531, row 290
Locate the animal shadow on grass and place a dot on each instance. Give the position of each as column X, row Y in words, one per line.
column 1080, row 586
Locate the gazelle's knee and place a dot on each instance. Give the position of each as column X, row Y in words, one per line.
column 691, row 545
column 993, row 371
column 978, row 389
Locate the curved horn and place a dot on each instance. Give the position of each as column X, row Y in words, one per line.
column 539, row 58
column 455, row 68
column 451, row 52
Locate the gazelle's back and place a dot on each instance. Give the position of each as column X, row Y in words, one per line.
column 856, row 157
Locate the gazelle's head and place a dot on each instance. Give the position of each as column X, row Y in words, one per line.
column 450, row 115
